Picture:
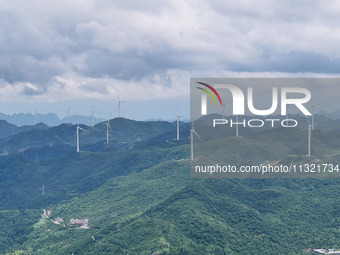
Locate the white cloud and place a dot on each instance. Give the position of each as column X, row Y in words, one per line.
column 150, row 49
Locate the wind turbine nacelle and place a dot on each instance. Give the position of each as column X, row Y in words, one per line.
column 239, row 100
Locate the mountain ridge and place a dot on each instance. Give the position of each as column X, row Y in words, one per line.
column 140, row 199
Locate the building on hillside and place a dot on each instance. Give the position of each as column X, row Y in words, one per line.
column 47, row 213
column 80, row 223
column 326, row 251
column 58, row 220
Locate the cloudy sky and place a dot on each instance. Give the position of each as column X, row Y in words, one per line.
column 58, row 53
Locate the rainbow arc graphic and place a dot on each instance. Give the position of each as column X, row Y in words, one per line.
column 209, row 93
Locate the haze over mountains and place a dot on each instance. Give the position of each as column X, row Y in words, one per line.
column 45, row 141
column 50, row 119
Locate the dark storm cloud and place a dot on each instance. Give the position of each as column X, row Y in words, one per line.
column 102, row 63
column 32, row 92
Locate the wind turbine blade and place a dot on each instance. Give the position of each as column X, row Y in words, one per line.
column 118, row 97
column 197, row 135
column 189, row 137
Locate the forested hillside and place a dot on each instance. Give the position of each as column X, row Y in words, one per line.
column 140, row 199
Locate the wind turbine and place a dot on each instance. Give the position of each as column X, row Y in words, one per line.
column 77, row 134
column 313, row 106
column 92, row 115
column 224, row 104
column 287, row 112
column 237, row 126
column 178, row 120
column 36, row 116
column 119, row 102
column 310, row 128
column 68, row 114
column 192, row 133
column 107, row 128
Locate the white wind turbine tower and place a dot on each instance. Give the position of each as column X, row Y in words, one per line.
column 313, row 106
column 178, row 120
column 68, row 114
column 309, row 136
column 36, row 116
column 192, row 133
column 77, row 134
column 237, row 126
column 310, row 128
column 119, row 102
column 92, row 114
column 287, row 111
column 224, row 104
column 107, row 128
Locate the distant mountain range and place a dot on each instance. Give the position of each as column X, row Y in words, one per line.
column 47, row 141
column 50, row 119
column 333, row 115
column 14, row 138
column 8, row 129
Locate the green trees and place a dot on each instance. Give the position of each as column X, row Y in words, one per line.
column 15, row 227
